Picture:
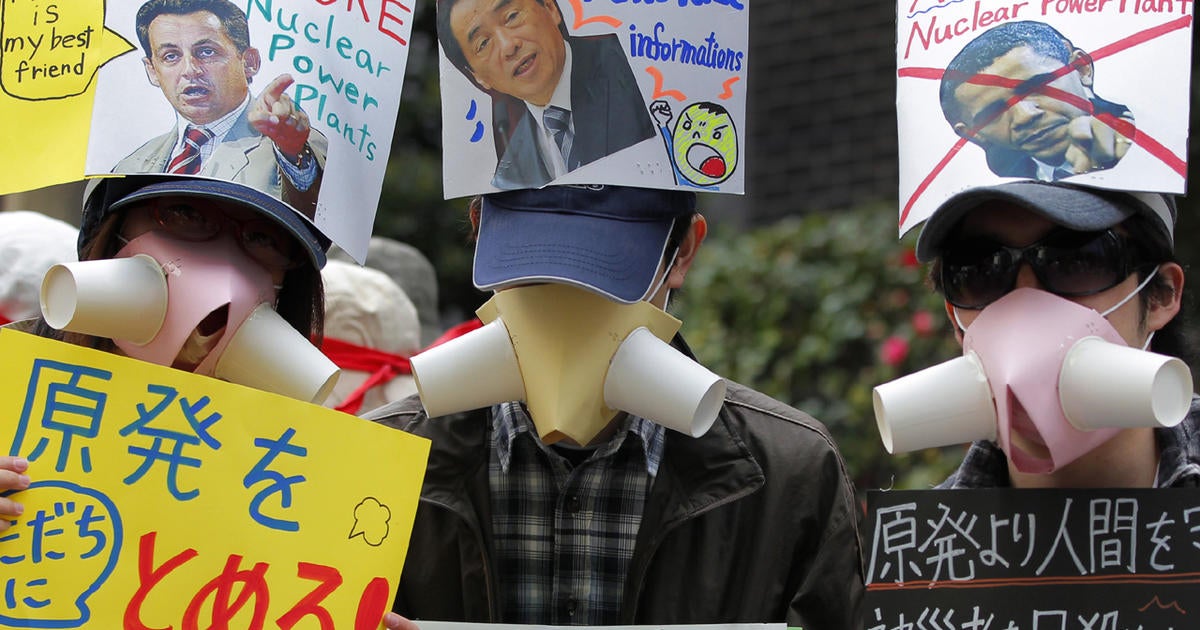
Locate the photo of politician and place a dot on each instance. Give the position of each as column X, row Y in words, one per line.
column 198, row 53
column 558, row 101
column 1025, row 94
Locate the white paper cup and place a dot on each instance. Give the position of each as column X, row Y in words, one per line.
column 1109, row 386
column 118, row 298
column 649, row 378
column 478, row 369
column 948, row 403
column 267, row 353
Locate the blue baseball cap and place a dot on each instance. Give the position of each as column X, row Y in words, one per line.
column 1071, row 206
column 104, row 196
column 606, row 239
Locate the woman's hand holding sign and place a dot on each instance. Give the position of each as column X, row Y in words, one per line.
column 12, row 478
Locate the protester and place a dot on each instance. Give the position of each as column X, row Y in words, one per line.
column 752, row 521
column 371, row 330
column 30, row 243
column 1030, row 252
column 225, row 250
column 412, row 272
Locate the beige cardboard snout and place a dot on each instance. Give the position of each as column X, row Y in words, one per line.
column 118, row 298
column 1109, row 386
column 649, row 378
column 267, row 353
column 478, row 369
column 948, row 403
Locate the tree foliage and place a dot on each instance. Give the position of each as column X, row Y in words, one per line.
column 816, row 311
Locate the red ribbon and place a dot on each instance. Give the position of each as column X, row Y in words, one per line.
column 383, row 366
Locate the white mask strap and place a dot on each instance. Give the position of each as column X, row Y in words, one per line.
column 958, row 320
column 663, row 280
column 1131, row 293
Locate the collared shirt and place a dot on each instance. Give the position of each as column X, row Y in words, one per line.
column 301, row 178
column 219, row 128
column 564, row 535
column 985, row 465
column 555, row 163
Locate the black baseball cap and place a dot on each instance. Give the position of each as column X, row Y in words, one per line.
column 1076, row 207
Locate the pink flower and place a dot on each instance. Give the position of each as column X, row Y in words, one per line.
column 922, row 323
column 908, row 258
column 894, row 350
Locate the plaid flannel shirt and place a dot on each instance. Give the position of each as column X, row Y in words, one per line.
column 564, row 535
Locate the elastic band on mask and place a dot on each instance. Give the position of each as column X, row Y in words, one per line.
column 958, row 321
column 1131, row 293
column 663, row 280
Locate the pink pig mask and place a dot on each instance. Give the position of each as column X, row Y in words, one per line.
column 200, row 280
column 1022, row 341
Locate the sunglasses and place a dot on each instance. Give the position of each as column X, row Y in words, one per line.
column 978, row 271
column 263, row 240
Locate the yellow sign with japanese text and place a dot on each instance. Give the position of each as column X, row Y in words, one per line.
column 162, row 499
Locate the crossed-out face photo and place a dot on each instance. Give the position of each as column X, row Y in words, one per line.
column 1026, row 95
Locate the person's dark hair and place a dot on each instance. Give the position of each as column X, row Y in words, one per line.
column 1176, row 338
column 1151, row 249
column 455, row 53
column 301, row 298
column 994, row 43
column 233, row 19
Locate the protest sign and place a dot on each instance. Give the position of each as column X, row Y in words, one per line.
column 304, row 109
column 165, row 499
column 48, row 59
column 649, row 94
column 1033, row 559
column 1091, row 92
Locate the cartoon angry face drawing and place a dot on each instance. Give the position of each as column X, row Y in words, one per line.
column 705, row 144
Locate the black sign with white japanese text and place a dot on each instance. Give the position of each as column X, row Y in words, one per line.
column 1003, row 559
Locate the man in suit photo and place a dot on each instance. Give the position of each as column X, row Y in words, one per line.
column 558, row 101
column 198, row 53
column 1025, row 94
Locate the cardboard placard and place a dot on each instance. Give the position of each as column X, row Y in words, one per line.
column 1032, row 559
column 342, row 64
column 1089, row 92
column 165, row 499
column 656, row 94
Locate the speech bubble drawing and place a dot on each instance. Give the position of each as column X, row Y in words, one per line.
column 371, row 521
column 52, row 51
column 57, row 555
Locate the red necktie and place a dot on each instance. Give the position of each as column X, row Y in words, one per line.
column 188, row 160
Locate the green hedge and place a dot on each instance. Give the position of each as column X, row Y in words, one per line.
column 816, row 311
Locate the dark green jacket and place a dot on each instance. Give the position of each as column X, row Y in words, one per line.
column 755, row 522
